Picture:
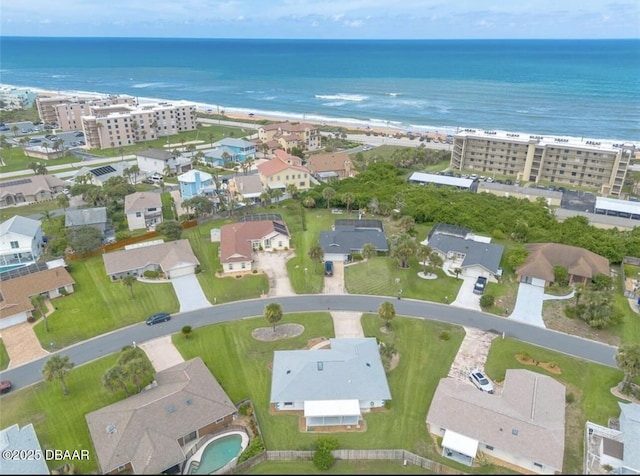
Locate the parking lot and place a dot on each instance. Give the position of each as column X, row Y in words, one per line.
column 578, row 201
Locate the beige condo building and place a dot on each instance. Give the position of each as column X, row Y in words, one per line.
column 289, row 135
column 547, row 159
column 122, row 125
column 67, row 111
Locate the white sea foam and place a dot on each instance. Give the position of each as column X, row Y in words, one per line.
column 334, row 103
column 149, row 85
column 343, row 97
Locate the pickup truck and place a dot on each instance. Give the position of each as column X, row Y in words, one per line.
column 328, row 268
column 481, row 284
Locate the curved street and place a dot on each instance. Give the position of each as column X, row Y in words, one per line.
column 106, row 344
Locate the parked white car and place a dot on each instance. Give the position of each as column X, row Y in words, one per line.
column 481, row 381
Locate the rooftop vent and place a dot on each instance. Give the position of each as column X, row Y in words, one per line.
column 171, row 409
column 320, row 366
column 111, row 429
column 189, row 401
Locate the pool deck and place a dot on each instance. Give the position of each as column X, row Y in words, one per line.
column 198, row 454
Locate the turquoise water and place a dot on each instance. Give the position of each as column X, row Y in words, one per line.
column 218, row 453
column 582, row 88
column 12, row 266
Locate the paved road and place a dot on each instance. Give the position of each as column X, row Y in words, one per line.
column 87, row 351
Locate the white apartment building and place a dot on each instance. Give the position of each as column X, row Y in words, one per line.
column 122, row 125
column 548, row 159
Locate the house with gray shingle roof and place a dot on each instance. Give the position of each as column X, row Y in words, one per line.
column 151, row 432
column 345, row 240
column 93, row 217
column 14, row 438
column 615, row 448
column 476, row 258
column 143, row 210
column 523, row 425
column 330, row 386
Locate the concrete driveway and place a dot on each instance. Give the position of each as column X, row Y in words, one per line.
column 274, row 265
column 528, row 308
column 189, row 293
column 466, row 298
column 162, row 353
column 335, row 284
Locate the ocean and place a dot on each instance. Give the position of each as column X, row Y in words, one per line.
column 579, row 88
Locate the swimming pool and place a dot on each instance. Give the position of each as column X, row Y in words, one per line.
column 217, row 453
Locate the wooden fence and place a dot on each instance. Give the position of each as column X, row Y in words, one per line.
column 353, row 455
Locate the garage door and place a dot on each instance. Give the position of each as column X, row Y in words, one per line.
column 174, row 273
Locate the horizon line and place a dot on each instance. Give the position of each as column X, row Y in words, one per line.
column 317, row 39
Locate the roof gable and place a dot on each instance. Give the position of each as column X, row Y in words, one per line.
column 236, row 238
column 20, row 225
column 476, row 253
column 578, row 261
column 168, row 256
column 140, row 201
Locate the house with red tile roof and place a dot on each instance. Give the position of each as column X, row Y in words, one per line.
column 238, row 241
column 276, row 173
column 287, row 157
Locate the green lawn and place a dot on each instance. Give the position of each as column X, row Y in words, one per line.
column 59, row 420
column 35, row 208
column 244, row 373
column 315, row 220
column 219, row 290
column 340, row 467
column 15, row 159
column 378, row 277
column 99, row 305
column 168, row 212
column 590, row 384
column 4, row 357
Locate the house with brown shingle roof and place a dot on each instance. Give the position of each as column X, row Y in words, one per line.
column 276, row 173
column 581, row 264
column 16, row 293
column 238, row 241
column 174, row 258
column 35, row 188
column 523, row 425
column 334, row 164
column 151, row 432
column 143, row 210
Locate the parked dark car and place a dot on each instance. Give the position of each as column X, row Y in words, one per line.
column 481, row 284
column 5, row 386
column 156, row 318
column 328, row 268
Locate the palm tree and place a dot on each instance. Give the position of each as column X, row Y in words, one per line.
column 41, row 170
column 136, row 370
column 15, row 130
column 348, row 198
column 407, row 223
column 422, row 253
column 387, row 312
column 435, row 261
column 292, row 190
column 34, row 166
column 57, row 367
column 134, row 129
column 46, row 215
column 316, row 253
column 135, row 170
column 37, row 301
column 128, row 281
column 115, row 379
column 191, row 148
column 121, row 152
column 309, row 202
column 63, row 201
column 273, row 313
column 369, row 250
column 58, row 144
column 211, row 137
column 276, row 194
column 328, row 193
column 402, row 247
column 628, row 359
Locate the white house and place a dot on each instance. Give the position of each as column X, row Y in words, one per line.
column 22, row 441
column 523, row 426
column 330, row 386
column 156, row 161
column 143, row 210
column 239, row 240
column 21, row 241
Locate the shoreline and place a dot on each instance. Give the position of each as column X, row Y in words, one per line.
column 353, row 124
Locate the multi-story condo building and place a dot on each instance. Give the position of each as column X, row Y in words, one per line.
column 288, row 135
column 67, row 111
column 121, row 125
column 16, row 98
column 546, row 159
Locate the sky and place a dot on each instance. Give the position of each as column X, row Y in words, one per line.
column 323, row 19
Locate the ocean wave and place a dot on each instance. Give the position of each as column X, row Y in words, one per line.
column 149, row 85
column 342, row 97
column 334, row 103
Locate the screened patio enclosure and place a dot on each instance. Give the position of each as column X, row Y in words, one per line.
column 331, row 412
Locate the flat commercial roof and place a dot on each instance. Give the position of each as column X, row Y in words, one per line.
column 440, row 179
column 617, row 205
column 460, row 443
column 328, row 408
